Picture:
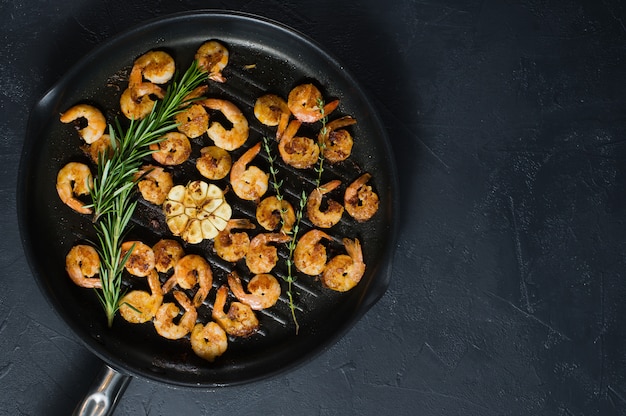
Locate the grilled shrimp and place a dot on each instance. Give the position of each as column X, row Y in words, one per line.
column 232, row 246
column 136, row 102
column 141, row 261
column 359, row 200
column 102, row 146
column 264, row 290
column 205, row 280
column 310, row 255
column 212, row 57
column 190, row 270
column 82, row 263
column 139, row 306
column 154, row 183
column 74, row 179
column 214, row 162
column 262, row 257
column 155, row 66
column 304, row 102
column 193, row 121
column 297, row 151
column 185, row 273
column 208, row 341
column 240, row 321
column 96, row 123
column 343, row 272
column 272, row 110
column 248, row 182
column 234, row 137
column 173, row 149
column 164, row 318
column 166, row 254
column 334, row 211
column 271, row 212
column 335, row 141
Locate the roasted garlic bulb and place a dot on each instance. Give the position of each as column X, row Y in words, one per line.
column 197, row 211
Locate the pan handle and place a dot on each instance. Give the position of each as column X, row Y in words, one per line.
column 103, row 394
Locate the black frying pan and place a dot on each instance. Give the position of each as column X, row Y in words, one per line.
column 264, row 57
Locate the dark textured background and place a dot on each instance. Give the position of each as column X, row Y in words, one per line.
column 507, row 119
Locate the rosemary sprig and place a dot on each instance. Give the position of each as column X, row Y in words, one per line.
column 111, row 229
column 113, row 185
column 130, row 146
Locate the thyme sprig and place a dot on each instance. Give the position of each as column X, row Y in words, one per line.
column 323, row 131
column 291, row 245
column 113, row 186
column 276, row 184
column 290, row 278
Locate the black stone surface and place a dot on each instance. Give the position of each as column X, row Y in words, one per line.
column 508, row 124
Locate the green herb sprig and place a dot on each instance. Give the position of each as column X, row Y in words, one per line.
column 323, row 131
column 113, row 186
column 290, row 278
column 291, row 246
column 277, row 185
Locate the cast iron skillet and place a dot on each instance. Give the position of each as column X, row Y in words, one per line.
column 265, row 56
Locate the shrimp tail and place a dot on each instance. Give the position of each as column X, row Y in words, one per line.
column 291, row 129
column 282, row 125
column 330, row 186
column 330, row 107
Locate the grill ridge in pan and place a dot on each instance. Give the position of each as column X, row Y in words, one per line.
column 282, row 59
